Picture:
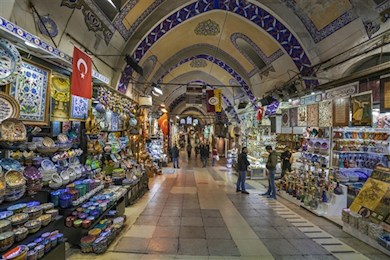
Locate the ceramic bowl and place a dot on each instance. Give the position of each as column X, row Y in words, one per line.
column 56, row 178
column 33, row 226
column 5, row 225
column 34, row 212
column 47, row 206
column 45, row 219
column 48, row 142
column 19, row 219
column 17, row 253
column 14, row 179
column 54, row 185
column 20, row 233
column 17, row 208
column 6, row 214
column 10, row 164
column 62, row 139
column 6, row 240
column 47, row 165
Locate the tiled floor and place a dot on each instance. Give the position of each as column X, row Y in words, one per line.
column 195, row 213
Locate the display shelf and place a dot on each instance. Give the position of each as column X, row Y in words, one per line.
column 363, row 237
column 362, row 152
column 41, row 196
column 53, row 225
column 359, row 140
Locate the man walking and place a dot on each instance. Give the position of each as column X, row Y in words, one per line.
column 242, row 166
column 204, row 154
column 189, row 150
column 271, row 167
column 175, row 156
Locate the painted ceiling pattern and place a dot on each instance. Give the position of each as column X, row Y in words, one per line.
column 94, row 18
column 222, row 65
column 207, row 28
column 198, row 63
column 317, row 17
column 266, row 59
column 248, row 10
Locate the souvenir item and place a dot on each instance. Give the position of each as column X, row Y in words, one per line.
column 6, row 240
column 14, row 179
column 9, row 107
column 10, row 164
column 5, row 225
column 79, row 108
column 5, row 214
column 48, row 142
column 10, row 65
column 20, row 233
column 12, row 130
column 33, row 226
column 19, row 219
column 31, row 90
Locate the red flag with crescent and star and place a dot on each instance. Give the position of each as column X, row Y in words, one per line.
column 163, row 123
column 81, row 74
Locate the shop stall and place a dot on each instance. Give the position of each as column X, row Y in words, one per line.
column 68, row 165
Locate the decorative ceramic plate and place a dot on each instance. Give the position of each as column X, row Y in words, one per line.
column 10, row 164
column 12, row 130
column 9, row 107
column 47, row 165
column 51, row 26
column 10, row 62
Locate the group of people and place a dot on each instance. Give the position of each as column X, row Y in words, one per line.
column 202, row 149
column 288, row 160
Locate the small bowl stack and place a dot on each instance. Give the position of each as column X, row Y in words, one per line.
column 34, row 179
column 15, row 185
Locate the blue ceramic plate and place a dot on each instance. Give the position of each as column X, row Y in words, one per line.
column 11, row 62
column 10, row 164
column 6, row 214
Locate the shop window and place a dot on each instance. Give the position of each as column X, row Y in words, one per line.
column 189, row 120
column 182, row 121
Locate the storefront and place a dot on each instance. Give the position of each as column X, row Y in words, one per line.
column 69, row 165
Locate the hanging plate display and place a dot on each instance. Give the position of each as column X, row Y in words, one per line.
column 9, row 107
column 50, row 24
column 9, row 62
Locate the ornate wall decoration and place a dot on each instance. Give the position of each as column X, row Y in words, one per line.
column 9, row 107
column 207, row 28
column 325, row 109
column 285, row 117
column 264, row 72
column 313, row 15
column 302, row 116
column 94, row 18
column 60, row 94
column 198, row 63
column 294, row 117
column 248, row 10
column 79, row 108
column 32, row 91
column 312, row 115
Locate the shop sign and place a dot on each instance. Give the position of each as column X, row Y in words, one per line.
column 344, row 91
column 310, row 99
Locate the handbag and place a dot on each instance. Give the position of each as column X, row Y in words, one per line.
column 217, row 157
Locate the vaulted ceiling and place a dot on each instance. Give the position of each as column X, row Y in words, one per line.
column 256, row 44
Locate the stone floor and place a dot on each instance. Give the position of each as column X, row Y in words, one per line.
column 195, row 213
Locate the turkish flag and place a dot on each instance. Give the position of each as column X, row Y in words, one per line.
column 163, row 124
column 81, row 84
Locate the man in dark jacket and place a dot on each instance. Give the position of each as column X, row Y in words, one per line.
column 204, row 154
column 271, row 167
column 242, row 167
column 175, row 156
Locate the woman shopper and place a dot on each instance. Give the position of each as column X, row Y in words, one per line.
column 215, row 156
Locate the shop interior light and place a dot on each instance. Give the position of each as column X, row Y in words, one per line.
column 162, row 105
column 30, row 44
column 289, row 100
column 313, row 93
column 110, row 1
column 164, row 110
column 178, row 117
column 157, row 89
column 155, row 94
